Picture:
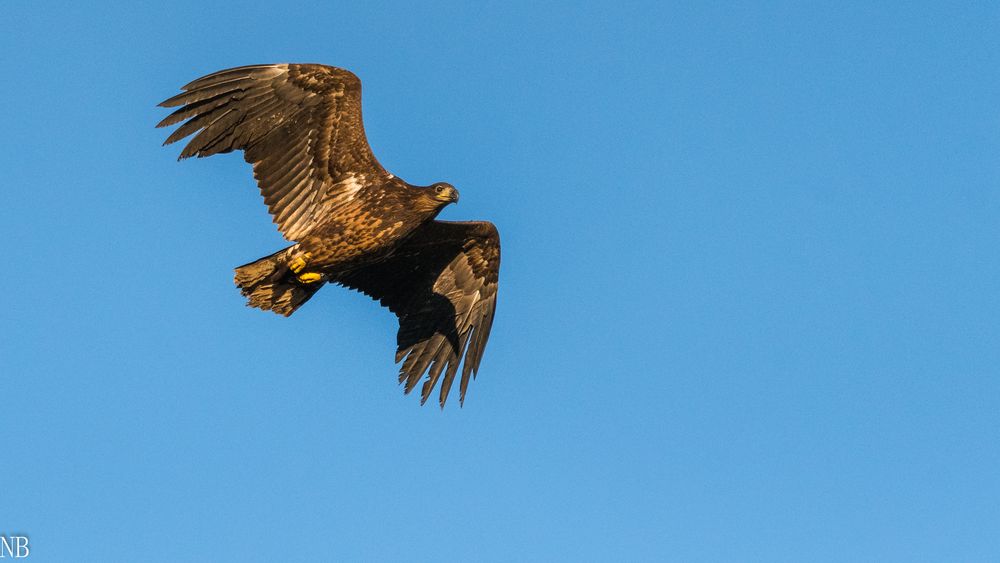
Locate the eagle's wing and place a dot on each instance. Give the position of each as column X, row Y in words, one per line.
column 442, row 284
column 298, row 124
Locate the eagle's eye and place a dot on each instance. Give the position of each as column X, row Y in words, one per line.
column 439, row 189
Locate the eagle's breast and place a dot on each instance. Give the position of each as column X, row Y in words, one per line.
column 365, row 218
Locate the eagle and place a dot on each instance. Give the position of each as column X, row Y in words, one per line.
column 352, row 222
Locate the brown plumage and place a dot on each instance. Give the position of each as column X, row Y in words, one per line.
column 353, row 223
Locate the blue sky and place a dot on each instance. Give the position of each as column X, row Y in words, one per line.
column 748, row 305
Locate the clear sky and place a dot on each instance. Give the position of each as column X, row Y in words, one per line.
column 749, row 305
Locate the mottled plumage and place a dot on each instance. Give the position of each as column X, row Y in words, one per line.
column 353, row 223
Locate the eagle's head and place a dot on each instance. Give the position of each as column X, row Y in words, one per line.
column 436, row 196
column 445, row 193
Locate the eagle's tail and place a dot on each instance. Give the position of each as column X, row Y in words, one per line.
column 270, row 285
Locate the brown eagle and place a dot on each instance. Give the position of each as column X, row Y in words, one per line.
column 352, row 222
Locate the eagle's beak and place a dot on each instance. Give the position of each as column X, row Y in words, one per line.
column 453, row 196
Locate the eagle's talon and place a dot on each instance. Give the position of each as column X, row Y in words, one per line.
column 310, row 277
column 299, row 263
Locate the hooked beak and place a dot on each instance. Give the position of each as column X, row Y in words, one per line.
column 448, row 194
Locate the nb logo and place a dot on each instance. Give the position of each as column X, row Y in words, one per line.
column 15, row 547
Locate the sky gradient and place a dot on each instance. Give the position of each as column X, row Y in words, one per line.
column 748, row 306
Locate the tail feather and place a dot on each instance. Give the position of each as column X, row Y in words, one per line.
column 268, row 284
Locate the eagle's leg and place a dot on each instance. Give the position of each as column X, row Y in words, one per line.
column 298, row 264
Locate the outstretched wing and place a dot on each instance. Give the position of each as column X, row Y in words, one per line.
column 298, row 124
column 442, row 284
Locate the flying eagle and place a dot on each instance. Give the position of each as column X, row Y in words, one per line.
column 352, row 222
